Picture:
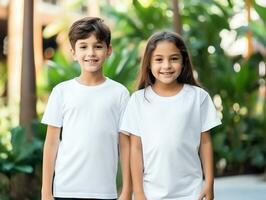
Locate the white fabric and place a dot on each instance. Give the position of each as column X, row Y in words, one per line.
column 170, row 129
column 86, row 162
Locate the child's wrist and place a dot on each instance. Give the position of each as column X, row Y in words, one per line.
column 209, row 184
column 138, row 193
column 127, row 186
column 46, row 192
column 126, row 191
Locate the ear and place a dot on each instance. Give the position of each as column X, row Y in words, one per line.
column 73, row 54
column 109, row 50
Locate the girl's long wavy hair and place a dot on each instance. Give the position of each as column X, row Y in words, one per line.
column 145, row 77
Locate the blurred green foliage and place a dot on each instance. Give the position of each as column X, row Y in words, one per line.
column 25, row 153
column 24, row 157
column 239, row 144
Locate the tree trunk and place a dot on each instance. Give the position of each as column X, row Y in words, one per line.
column 21, row 184
column 28, row 87
column 249, row 33
column 176, row 18
column 14, row 58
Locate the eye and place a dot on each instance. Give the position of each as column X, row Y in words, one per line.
column 158, row 59
column 175, row 58
column 98, row 46
column 83, row 47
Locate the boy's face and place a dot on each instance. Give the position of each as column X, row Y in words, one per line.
column 91, row 54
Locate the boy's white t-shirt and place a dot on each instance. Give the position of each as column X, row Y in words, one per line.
column 86, row 163
column 170, row 129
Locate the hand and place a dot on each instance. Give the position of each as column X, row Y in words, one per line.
column 139, row 196
column 207, row 193
column 125, row 196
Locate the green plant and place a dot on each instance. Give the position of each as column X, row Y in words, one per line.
column 3, row 78
column 57, row 70
column 25, row 153
column 239, row 144
column 22, row 162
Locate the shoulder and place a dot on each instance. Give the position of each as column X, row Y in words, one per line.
column 138, row 93
column 116, row 86
column 61, row 88
column 197, row 91
column 64, row 85
column 138, row 96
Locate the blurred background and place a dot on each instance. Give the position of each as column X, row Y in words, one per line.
column 227, row 42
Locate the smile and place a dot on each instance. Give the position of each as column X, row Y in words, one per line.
column 91, row 60
column 166, row 73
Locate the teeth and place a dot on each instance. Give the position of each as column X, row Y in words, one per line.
column 91, row 61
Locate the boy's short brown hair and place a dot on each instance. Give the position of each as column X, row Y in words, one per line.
column 84, row 27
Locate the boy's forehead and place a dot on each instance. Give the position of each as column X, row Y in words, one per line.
column 90, row 39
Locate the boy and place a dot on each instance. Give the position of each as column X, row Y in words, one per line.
column 88, row 108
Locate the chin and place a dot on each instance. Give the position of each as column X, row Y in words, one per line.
column 168, row 81
column 92, row 69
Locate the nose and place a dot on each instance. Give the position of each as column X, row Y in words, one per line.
column 90, row 51
column 166, row 65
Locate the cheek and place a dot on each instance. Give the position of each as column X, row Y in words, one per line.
column 179, row 66
column 103, row 55
column 153, row 70
column 155, row 66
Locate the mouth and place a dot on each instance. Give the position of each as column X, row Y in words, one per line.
column 91, row 61
column 167, row 73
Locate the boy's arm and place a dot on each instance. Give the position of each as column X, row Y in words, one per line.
column 49, row 155
column 136, row 163
column 206, row 155
column 124, row 148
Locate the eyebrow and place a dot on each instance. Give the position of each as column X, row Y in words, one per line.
column 82, row 43
column 175, row 54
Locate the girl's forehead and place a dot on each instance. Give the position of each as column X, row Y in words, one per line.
column 166, row 46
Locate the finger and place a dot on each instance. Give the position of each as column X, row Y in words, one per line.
column 201, row 197
column 209, row 197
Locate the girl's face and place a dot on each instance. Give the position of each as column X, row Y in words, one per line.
column 91, row 54
column 166, row 63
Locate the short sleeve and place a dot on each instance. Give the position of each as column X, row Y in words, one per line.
column 129, row 124
column 53, row 113
column 123, row 103
column 208, row 114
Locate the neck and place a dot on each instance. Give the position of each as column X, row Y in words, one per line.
column 167, row 89
column 91, row 79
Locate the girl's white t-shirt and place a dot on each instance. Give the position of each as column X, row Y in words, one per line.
column 86, row 162
column 170, row 130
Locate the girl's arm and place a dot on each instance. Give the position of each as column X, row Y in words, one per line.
column 49, row 155
column 124, row 148
column 206, row 155
column 136, row 164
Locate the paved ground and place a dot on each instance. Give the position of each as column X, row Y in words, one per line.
column 244, row 187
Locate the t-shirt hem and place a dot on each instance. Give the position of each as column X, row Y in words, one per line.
column 51, row 123
column 124, row 132
column 211, row 126
column 85, row 195
column 193, row 197
column 128, row 132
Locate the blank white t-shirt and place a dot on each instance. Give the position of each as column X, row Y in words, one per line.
column 86, row 162
column 170, row 129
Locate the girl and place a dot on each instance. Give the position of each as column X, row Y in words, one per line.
column 169, row 119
